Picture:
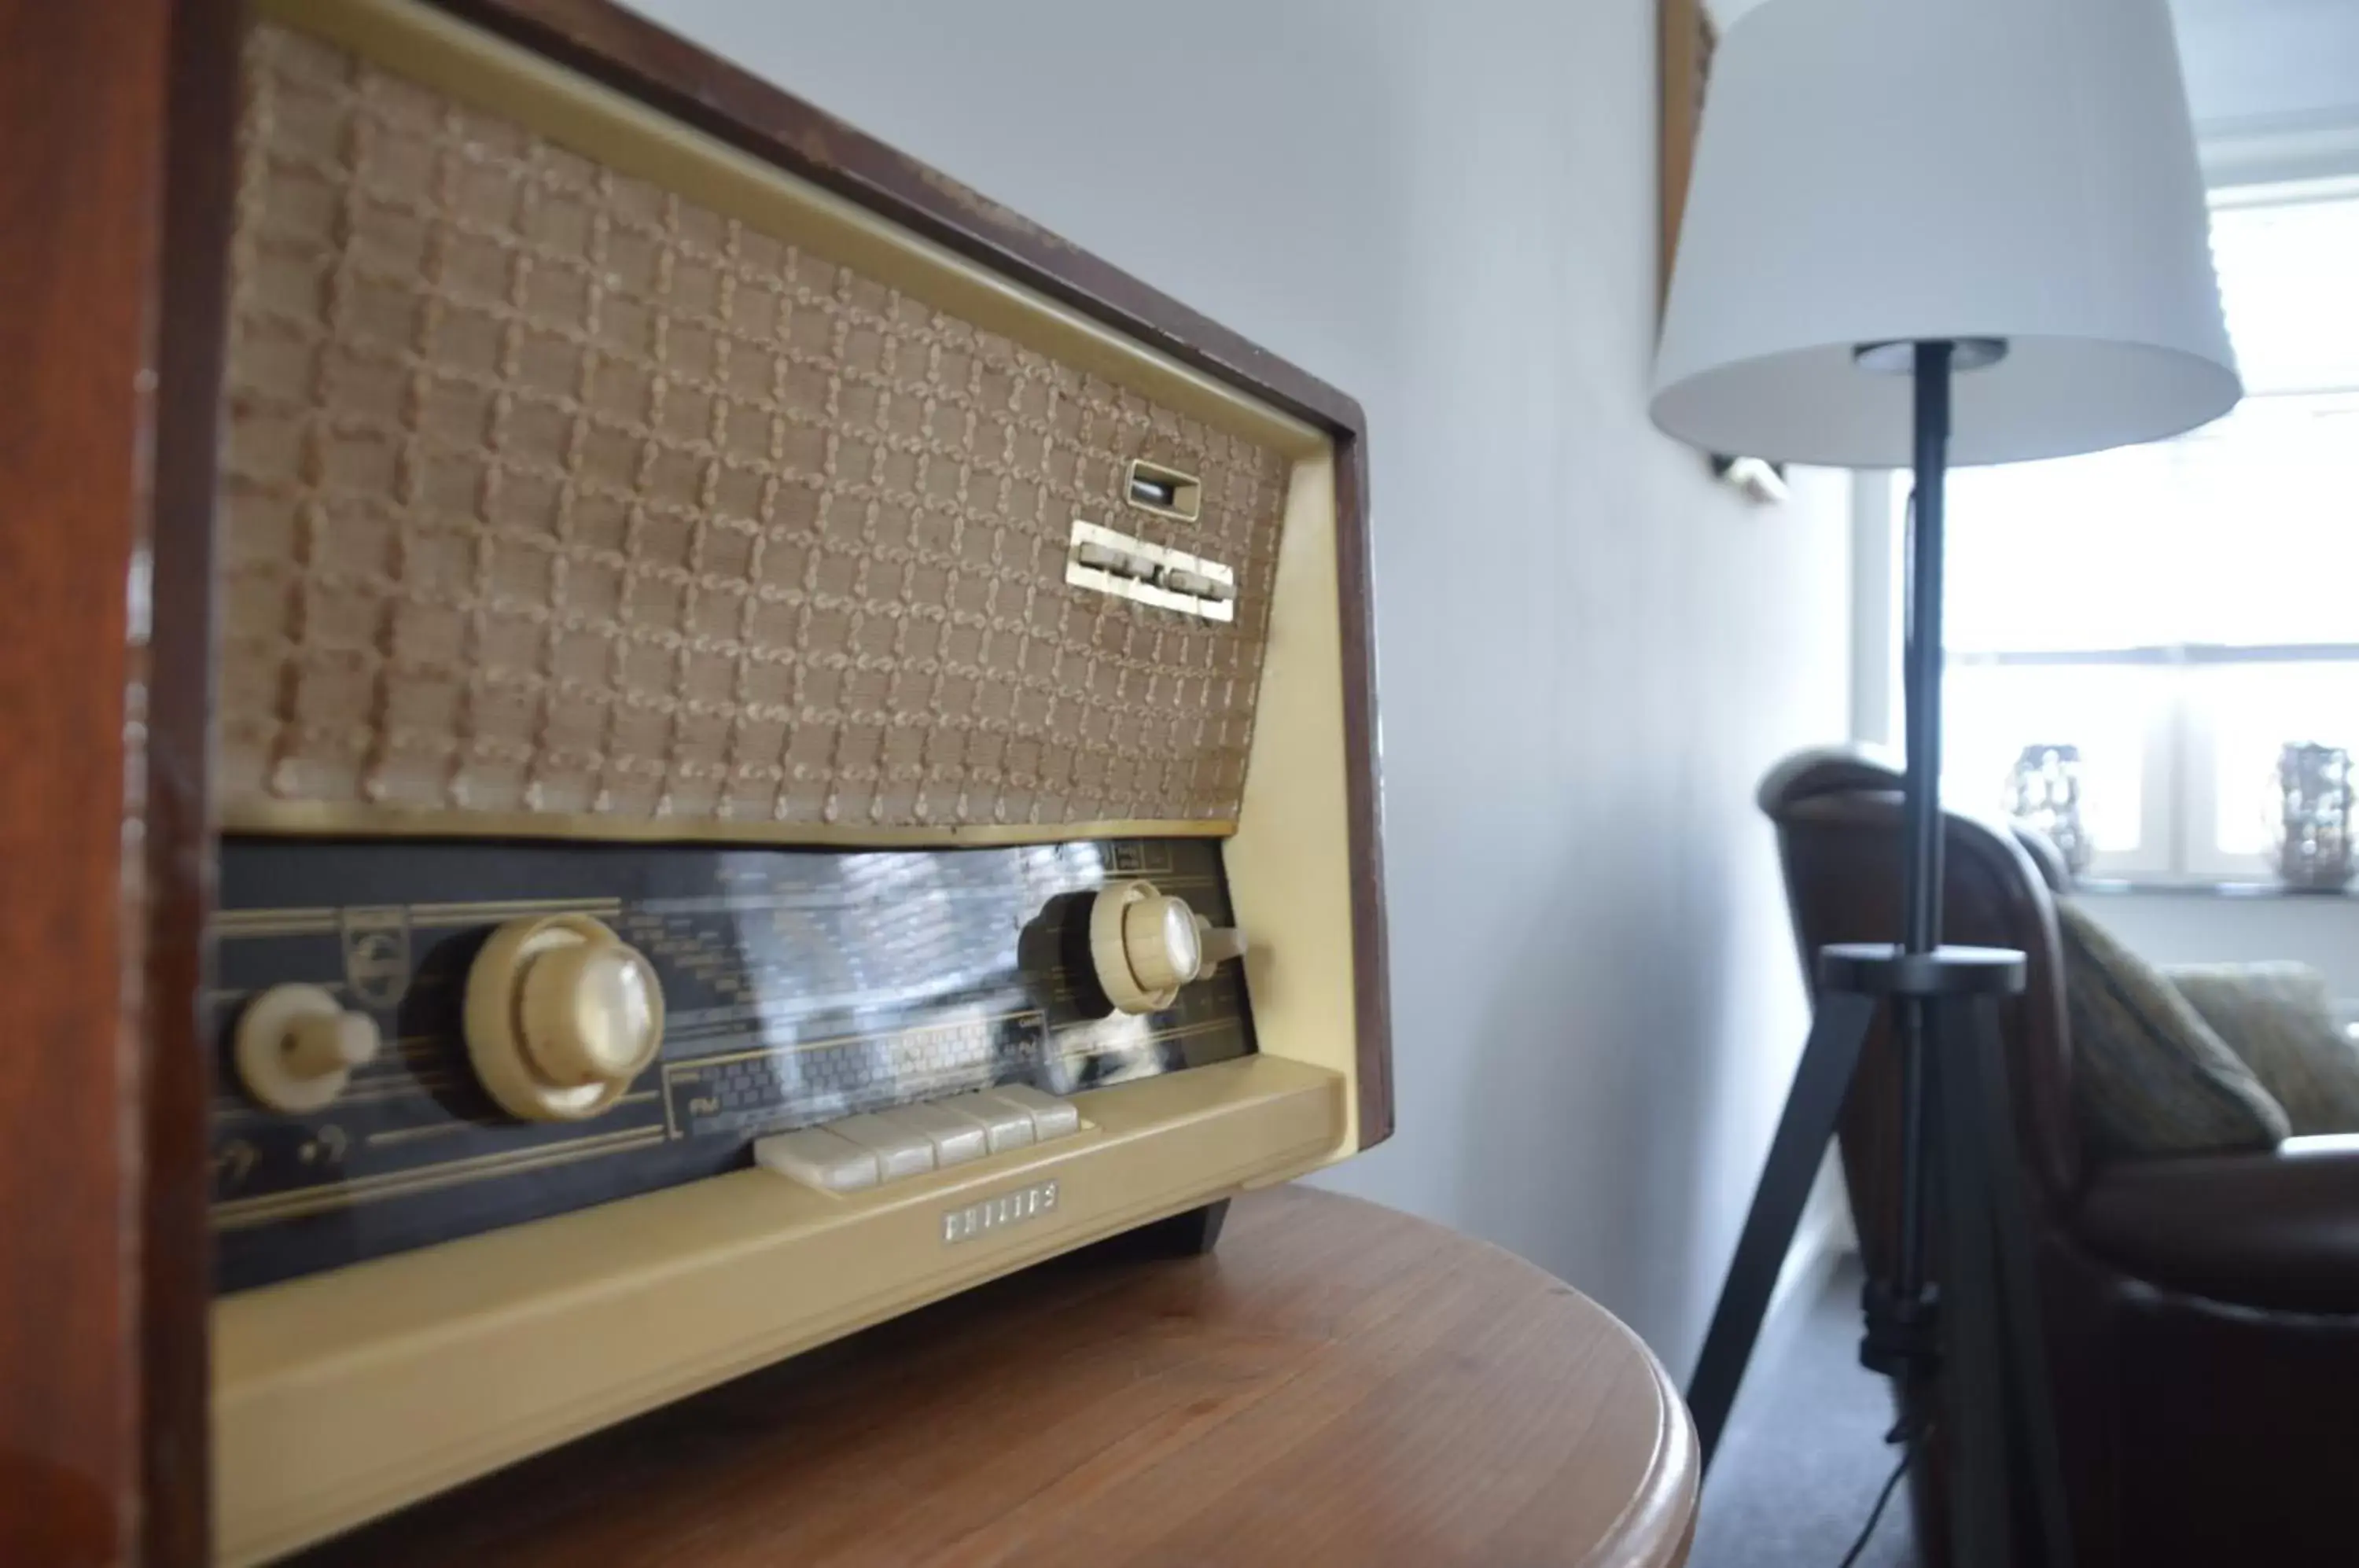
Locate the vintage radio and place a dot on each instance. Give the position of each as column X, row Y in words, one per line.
column 781, row 743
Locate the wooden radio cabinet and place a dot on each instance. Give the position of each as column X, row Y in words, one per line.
column 639, row 734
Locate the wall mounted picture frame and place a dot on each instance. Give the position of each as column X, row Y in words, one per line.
column 1687, row 38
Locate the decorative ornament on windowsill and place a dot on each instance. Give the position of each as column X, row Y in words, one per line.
column 2318, row 807
column 2043, row 792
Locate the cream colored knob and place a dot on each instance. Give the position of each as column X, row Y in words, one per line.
column 1144, row 945
column 296, row 1047
column 1219, row 944
column 1159, row 937
column 562, row 1016
column 590, row 1014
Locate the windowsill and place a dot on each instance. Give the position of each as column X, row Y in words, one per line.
column 2115, row 886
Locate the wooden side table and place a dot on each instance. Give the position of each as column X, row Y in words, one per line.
column 1337, row 1384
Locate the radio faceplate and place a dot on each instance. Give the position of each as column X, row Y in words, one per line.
column 799, row 986
column 306, row 651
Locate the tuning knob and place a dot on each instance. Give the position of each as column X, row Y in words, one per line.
column 296, row 1047
column 1145, row 944
column 562, row 1015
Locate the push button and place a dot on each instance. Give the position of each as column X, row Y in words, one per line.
column 817, row 1157
column 1051, row 1117
column 901, row 1149
column 882, row 1146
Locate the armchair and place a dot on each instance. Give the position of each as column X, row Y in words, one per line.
column 2201, row 1312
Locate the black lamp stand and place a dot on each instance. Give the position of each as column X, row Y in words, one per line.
column 1967, row 1354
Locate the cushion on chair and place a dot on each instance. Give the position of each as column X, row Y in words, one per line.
column 2150, row 1077
column 2279, row 1020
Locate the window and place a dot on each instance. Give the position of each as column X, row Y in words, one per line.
column 2180, row 611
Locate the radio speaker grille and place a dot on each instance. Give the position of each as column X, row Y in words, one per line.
column 548, row 492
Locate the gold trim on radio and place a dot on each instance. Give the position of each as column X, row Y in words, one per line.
column 340, row 819
column 270, row 1208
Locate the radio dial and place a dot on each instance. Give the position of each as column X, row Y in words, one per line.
column 562, row 1016
column 1145, row 944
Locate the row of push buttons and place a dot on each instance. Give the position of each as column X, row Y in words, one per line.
column 885, row 1146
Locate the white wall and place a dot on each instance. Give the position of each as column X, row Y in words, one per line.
column 1588, row 652
column 2262, row 62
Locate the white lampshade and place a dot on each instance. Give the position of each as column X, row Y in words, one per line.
column 1888, row 170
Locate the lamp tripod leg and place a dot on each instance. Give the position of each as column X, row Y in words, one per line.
column 1822, row 1080
column 1973, row 1372
column 1975, row 1064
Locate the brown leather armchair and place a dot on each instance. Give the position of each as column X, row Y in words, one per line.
column 2203, row 1314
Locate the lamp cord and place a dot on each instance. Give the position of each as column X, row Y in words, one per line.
column 1876, row 1514
column 1907, row 586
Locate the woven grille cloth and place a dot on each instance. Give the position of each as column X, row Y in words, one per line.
column 546, row 490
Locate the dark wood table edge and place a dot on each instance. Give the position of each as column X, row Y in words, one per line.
column 1654, row 1502
column 1657, row 1526
column 1657, row 1529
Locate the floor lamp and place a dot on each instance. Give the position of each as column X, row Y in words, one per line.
column 1922, row 232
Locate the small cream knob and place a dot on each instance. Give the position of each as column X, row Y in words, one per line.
column 562, row 1016
column 1145, row 944
column 296, row 1047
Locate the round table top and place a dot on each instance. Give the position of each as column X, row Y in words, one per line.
column 1336, row 1383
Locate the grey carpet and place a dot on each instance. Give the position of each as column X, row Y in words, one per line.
column 1804, row 1454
